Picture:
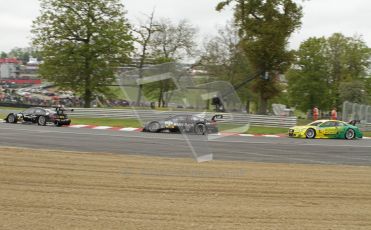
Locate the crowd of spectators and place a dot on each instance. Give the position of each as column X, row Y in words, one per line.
column 39, row 96
column 29, row 96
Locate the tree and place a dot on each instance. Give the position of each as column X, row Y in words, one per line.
column 172, row 42
column 161, row 41
column 328, row 71
column 82, row 42
column 24, row 54
column 348, row 59
column 354, row 91
column 3, row 54
column 223, row 59
column 308, row 79
column 264, row 28
column 144, row 36
column 368, row 89
column 220, row 53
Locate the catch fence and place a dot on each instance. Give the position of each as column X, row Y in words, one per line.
column 354, row 111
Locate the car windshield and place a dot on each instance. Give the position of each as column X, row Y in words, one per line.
column 176, row 118
column 316, row 123
column 50, row 111
column 196, row 118
column 39, row 111
column 29, row 111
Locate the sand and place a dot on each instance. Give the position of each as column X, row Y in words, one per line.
column 68, row 190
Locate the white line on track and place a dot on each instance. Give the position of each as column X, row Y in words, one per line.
column 129, row 129
column 78, row 126
column 270, row 136
column 246, row 135
column 102, row 127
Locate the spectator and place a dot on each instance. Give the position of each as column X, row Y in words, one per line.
column 315, row 113
column 334, row 114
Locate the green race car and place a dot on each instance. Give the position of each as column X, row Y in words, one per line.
column 326, row 129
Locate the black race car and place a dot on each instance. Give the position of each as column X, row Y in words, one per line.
column 41, row 116
column 184, row 124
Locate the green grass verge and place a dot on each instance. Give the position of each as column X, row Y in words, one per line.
column 12, row 108
column 266, row 130
column 106, row 122
column 136, row 123
column 225, row 127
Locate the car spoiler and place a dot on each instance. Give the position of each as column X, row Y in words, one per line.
column 354, row 122
column 217, row 116
column 61, row 108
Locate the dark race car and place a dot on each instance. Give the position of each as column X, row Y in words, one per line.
column 41, row 116
column 185, row 124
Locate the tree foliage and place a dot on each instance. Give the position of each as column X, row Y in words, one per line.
column 174, row 41
column 348, row 59
column 165, row 41
column 353, row 91
column 143, row 35
column 224, row 59
column 82, row 42
column 24, row 54
column 3, row 54
column 307, row 80
column 328, row 71
column 264, row 28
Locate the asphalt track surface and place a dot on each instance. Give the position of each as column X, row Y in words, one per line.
column 236, row 148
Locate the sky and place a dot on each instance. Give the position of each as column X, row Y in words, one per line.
column 321, row 18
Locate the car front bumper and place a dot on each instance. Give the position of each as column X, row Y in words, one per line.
column 295, row 133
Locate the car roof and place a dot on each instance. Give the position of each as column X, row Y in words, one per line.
column 34, row 108
column 323, row 120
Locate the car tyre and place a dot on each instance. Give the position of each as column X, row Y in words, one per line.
column 11, row 118
column 41, row 120
column 154, row 127
column 200, row 129
column 350, row 134
column 310, row 133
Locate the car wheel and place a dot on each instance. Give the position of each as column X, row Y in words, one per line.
column 41, row 121
column 11, row 118
column 200, row 129
column 350, row 134
column 154, row 127
column 310, row 133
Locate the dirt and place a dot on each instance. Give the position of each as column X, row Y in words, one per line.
column 67, row 190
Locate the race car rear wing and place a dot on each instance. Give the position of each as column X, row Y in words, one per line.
column 354, row 122
column 217, row 116
column 62, row 109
